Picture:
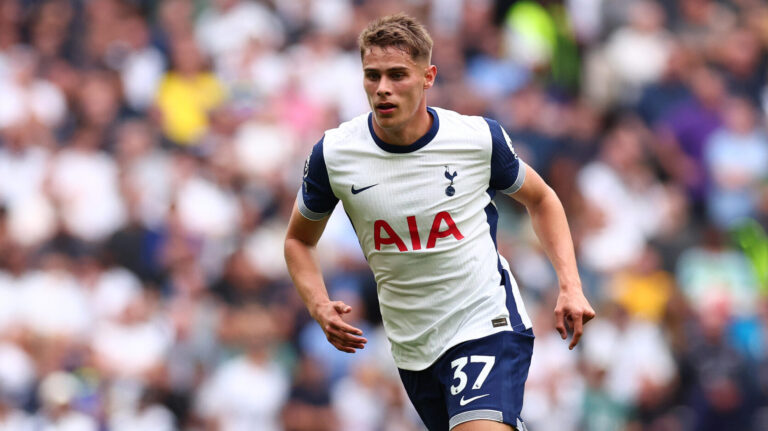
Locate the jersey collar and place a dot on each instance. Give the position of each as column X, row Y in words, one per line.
column 421, row 142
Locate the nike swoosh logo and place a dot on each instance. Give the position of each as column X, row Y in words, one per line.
column 463, row 402
column 356, row 191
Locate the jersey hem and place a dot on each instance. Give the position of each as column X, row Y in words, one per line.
column 420, row 366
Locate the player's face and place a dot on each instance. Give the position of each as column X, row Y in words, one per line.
column 395, row 85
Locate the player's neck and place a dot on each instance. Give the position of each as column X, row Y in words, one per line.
column 410, row 132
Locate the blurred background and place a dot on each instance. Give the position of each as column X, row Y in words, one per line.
column 150, row 153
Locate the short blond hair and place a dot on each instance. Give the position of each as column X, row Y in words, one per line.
column 400, row 31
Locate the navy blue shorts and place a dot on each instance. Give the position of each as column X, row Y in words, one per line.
column 477, row 379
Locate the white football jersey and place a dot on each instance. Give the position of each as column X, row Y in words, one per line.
column 426, row 221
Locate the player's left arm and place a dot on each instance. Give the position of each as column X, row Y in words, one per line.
column 551, row 226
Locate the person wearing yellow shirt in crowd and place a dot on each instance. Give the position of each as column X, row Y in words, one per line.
column 644, row 289
column 187, row 93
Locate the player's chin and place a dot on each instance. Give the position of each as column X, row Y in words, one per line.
column 386, row 120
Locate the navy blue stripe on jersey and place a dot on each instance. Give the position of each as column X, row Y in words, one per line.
column 507, row 173
column 515, row 319
column 492, row 216
column 420, row 143
column 316, row 198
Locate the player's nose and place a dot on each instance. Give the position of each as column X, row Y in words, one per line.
column 383, row 88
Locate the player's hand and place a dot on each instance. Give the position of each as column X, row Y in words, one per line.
column 573, row 310
column 340, row 334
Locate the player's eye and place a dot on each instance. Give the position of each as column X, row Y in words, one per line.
column 398, row 75
column 372, row 76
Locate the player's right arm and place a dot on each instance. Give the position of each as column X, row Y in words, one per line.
column 300, row 244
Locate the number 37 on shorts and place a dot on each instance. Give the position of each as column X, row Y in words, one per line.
column 461, row 377
column 479, row 379
column 487, row 377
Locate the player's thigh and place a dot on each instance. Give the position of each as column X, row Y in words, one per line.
column 484, row 379
column 483, row 425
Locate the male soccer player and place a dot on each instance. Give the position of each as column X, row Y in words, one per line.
column 418, row 184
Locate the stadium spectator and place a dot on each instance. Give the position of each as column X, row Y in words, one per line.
column 187, row 93
column 736, row 159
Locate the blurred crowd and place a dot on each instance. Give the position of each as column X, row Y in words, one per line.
column 150, row 154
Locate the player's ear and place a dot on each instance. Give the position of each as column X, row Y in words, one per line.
column 429, row 74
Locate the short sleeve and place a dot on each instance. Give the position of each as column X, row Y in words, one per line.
column 315, row 198
column 507, row 170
